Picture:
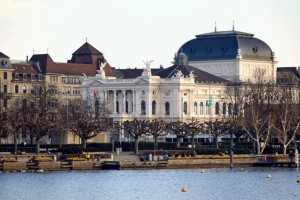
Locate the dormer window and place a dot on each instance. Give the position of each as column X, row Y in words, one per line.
column 32, row 77
column 16, row 76
column 24, row 77
column 40, row 77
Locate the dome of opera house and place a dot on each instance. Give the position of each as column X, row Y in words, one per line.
column 225, row 45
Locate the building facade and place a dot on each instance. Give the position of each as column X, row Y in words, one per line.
column 232, row 55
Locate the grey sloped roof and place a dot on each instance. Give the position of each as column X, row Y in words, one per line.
column 2, row 55
column 87, row 49
column 288, row 75
column 133, row 73
column 200, row 76
column 222, row 45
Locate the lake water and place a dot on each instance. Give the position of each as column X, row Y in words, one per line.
column 248, row 183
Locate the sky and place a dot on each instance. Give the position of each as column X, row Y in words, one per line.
column 129, row 32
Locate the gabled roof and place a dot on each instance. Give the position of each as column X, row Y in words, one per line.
column 87, row 49
column 2, row 55
column 200, row 76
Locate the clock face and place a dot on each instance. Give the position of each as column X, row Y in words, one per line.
column 4, row 63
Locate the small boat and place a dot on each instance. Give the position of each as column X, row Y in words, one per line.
column 40, row 171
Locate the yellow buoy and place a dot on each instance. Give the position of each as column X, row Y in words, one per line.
column 183, row 189
column 298, row 181
column 269, row 176
column 202, row 171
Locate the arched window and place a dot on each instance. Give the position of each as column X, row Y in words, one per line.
column 97, row 108
column 153, row 107
column 143, row 107
column 207, row 109
column 126, row 106
column 167, row 108
column 195, row 107
column 117, row 106
column 185, row 107
column 224, row 108
column 201, row 108
column 230, row 109
column 217, row 108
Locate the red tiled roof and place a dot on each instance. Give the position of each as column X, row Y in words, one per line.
column 25, row 68
column 47, row 65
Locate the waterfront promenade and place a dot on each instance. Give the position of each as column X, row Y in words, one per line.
column 129, row 161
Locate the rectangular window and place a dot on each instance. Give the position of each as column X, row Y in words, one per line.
column 5, row 75
column 16, row 89
column 5, row 89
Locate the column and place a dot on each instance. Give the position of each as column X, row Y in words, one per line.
column 115, row 101
column 124, row 101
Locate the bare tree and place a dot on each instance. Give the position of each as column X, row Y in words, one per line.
column 287, row 115
column 195, row 127
column 88, row 118
column 216, row 129
column 235, row 98
column 257, row 118
column 180, row 129
column 4, row 126
column 42, row 103
column 17, row 118
column 136, row 128
column 156, row 128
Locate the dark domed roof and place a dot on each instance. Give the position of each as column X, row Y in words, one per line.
column 222, row 45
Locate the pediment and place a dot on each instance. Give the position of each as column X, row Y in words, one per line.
column 141, row 82
column 95, row 83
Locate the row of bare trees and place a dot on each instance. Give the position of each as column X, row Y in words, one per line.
column 40, row 112
column 266, row 109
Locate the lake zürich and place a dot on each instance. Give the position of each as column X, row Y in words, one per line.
column 240, row 183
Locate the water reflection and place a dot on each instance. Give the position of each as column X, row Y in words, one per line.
column 240, row 183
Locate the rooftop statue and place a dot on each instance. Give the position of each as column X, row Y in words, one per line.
column 147, row 70
column 101, row 72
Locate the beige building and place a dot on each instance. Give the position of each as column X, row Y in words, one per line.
column 17, row 79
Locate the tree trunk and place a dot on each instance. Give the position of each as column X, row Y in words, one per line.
column 178, row 142
column 15, row 142
column 136, row 145
column 253, row 147
column 216, row 142
column 258, row 147
column 38, row 146
column 193, row 141
column 284, row 149
column 155, row 143
column 83, row 140
column 231, row 140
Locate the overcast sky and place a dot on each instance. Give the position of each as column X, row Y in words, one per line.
column 130, row 31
